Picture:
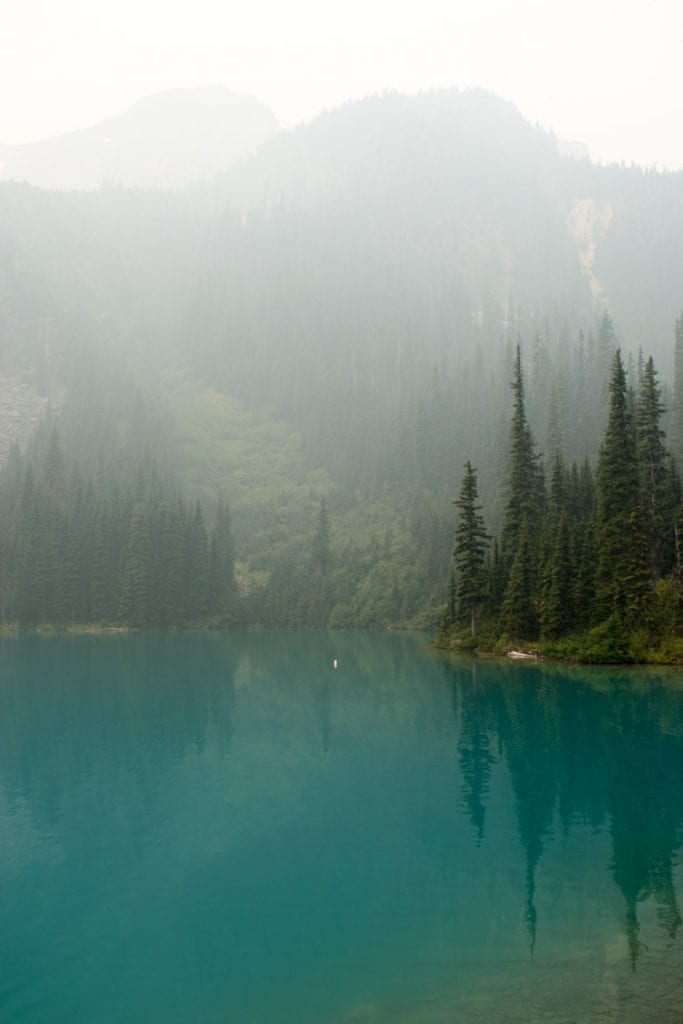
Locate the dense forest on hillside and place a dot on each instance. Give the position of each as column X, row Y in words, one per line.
column 588, row 560
column 320, row 338
column 117, row 547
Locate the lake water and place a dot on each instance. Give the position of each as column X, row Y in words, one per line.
column 206, row 828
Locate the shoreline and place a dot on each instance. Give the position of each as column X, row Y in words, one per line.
column 537, row 652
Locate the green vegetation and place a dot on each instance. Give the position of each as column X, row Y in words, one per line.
column 119, row 548
column 336, row 321
column 589, row 569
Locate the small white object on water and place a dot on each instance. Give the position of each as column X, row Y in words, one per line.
column 334, row 663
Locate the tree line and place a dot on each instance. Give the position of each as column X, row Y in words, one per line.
column 588, row 560
column 117, row 547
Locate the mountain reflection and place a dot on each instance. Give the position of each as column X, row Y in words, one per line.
column 587, row 747
column 400, row 813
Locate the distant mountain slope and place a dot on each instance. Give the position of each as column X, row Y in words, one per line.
column 336, row 317
column 456, row 189
column 164, row 141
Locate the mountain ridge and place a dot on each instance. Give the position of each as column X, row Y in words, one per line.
column 335, row 318
column 164, row 140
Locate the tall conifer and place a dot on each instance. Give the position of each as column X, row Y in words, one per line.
column 518, row 618
column 471, row 541
column 677, row 402
column 557, row 609
column 620, row 582
column 656, row 484
column 525, row 481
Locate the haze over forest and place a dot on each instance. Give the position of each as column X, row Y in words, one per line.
column 277, row 348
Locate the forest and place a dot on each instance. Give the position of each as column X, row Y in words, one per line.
column 271, row 381
column 588, row 561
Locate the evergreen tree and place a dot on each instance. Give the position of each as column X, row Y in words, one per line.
column 471, row 541
column 557, row 609
column 584, row 583
column 175, row 564
column 525, row 491
column 136, row 573
column 495, row 581
column 518, row 618
column 656, row 487
column 677, row 401
column 522, row 519
column 449, row 618
column 621, row 560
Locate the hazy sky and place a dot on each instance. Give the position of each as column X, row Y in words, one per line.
column 605, row 72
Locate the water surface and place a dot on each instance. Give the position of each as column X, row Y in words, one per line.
column 224, row 828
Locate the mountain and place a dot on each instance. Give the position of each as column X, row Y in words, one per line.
column 461, row 179
column 163, row 141
column 335, row 317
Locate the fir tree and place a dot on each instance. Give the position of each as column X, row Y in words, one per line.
column 620, row 583
column 557, row 611
column 449, row 618
column 584, row 583
column 135, row 582
column 656, row 490
column 495, row 581
column 677, row 402
column 471, row 540
column 522, row 519
column 525, row 482
column 518, row 618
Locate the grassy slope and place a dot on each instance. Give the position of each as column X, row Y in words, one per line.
column 256, row 462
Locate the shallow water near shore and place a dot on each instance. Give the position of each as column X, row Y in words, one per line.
column 226, row 828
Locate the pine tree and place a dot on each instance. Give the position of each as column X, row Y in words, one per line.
column 584, row 583
column 449, row 617
column 557, row 610
column 518, row 618
column 525, row 481
column 495, row 581
column 656, row 490
column 135, row 582
column 471, row 541
column 621, row 561
column 677, row 402
column 522, row 520
column 175, row 565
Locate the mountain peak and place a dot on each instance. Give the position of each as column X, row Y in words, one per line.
column 165, row 140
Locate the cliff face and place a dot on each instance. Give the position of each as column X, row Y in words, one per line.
column 589, row 222
column 22, row 407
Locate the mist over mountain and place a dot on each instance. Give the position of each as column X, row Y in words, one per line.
column 497, row 204
column 335, row 318
column 163, row 141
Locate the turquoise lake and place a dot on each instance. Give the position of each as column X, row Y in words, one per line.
column 206, row 828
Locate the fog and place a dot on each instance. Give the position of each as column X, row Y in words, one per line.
column 606, row 74
column 230, row 293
